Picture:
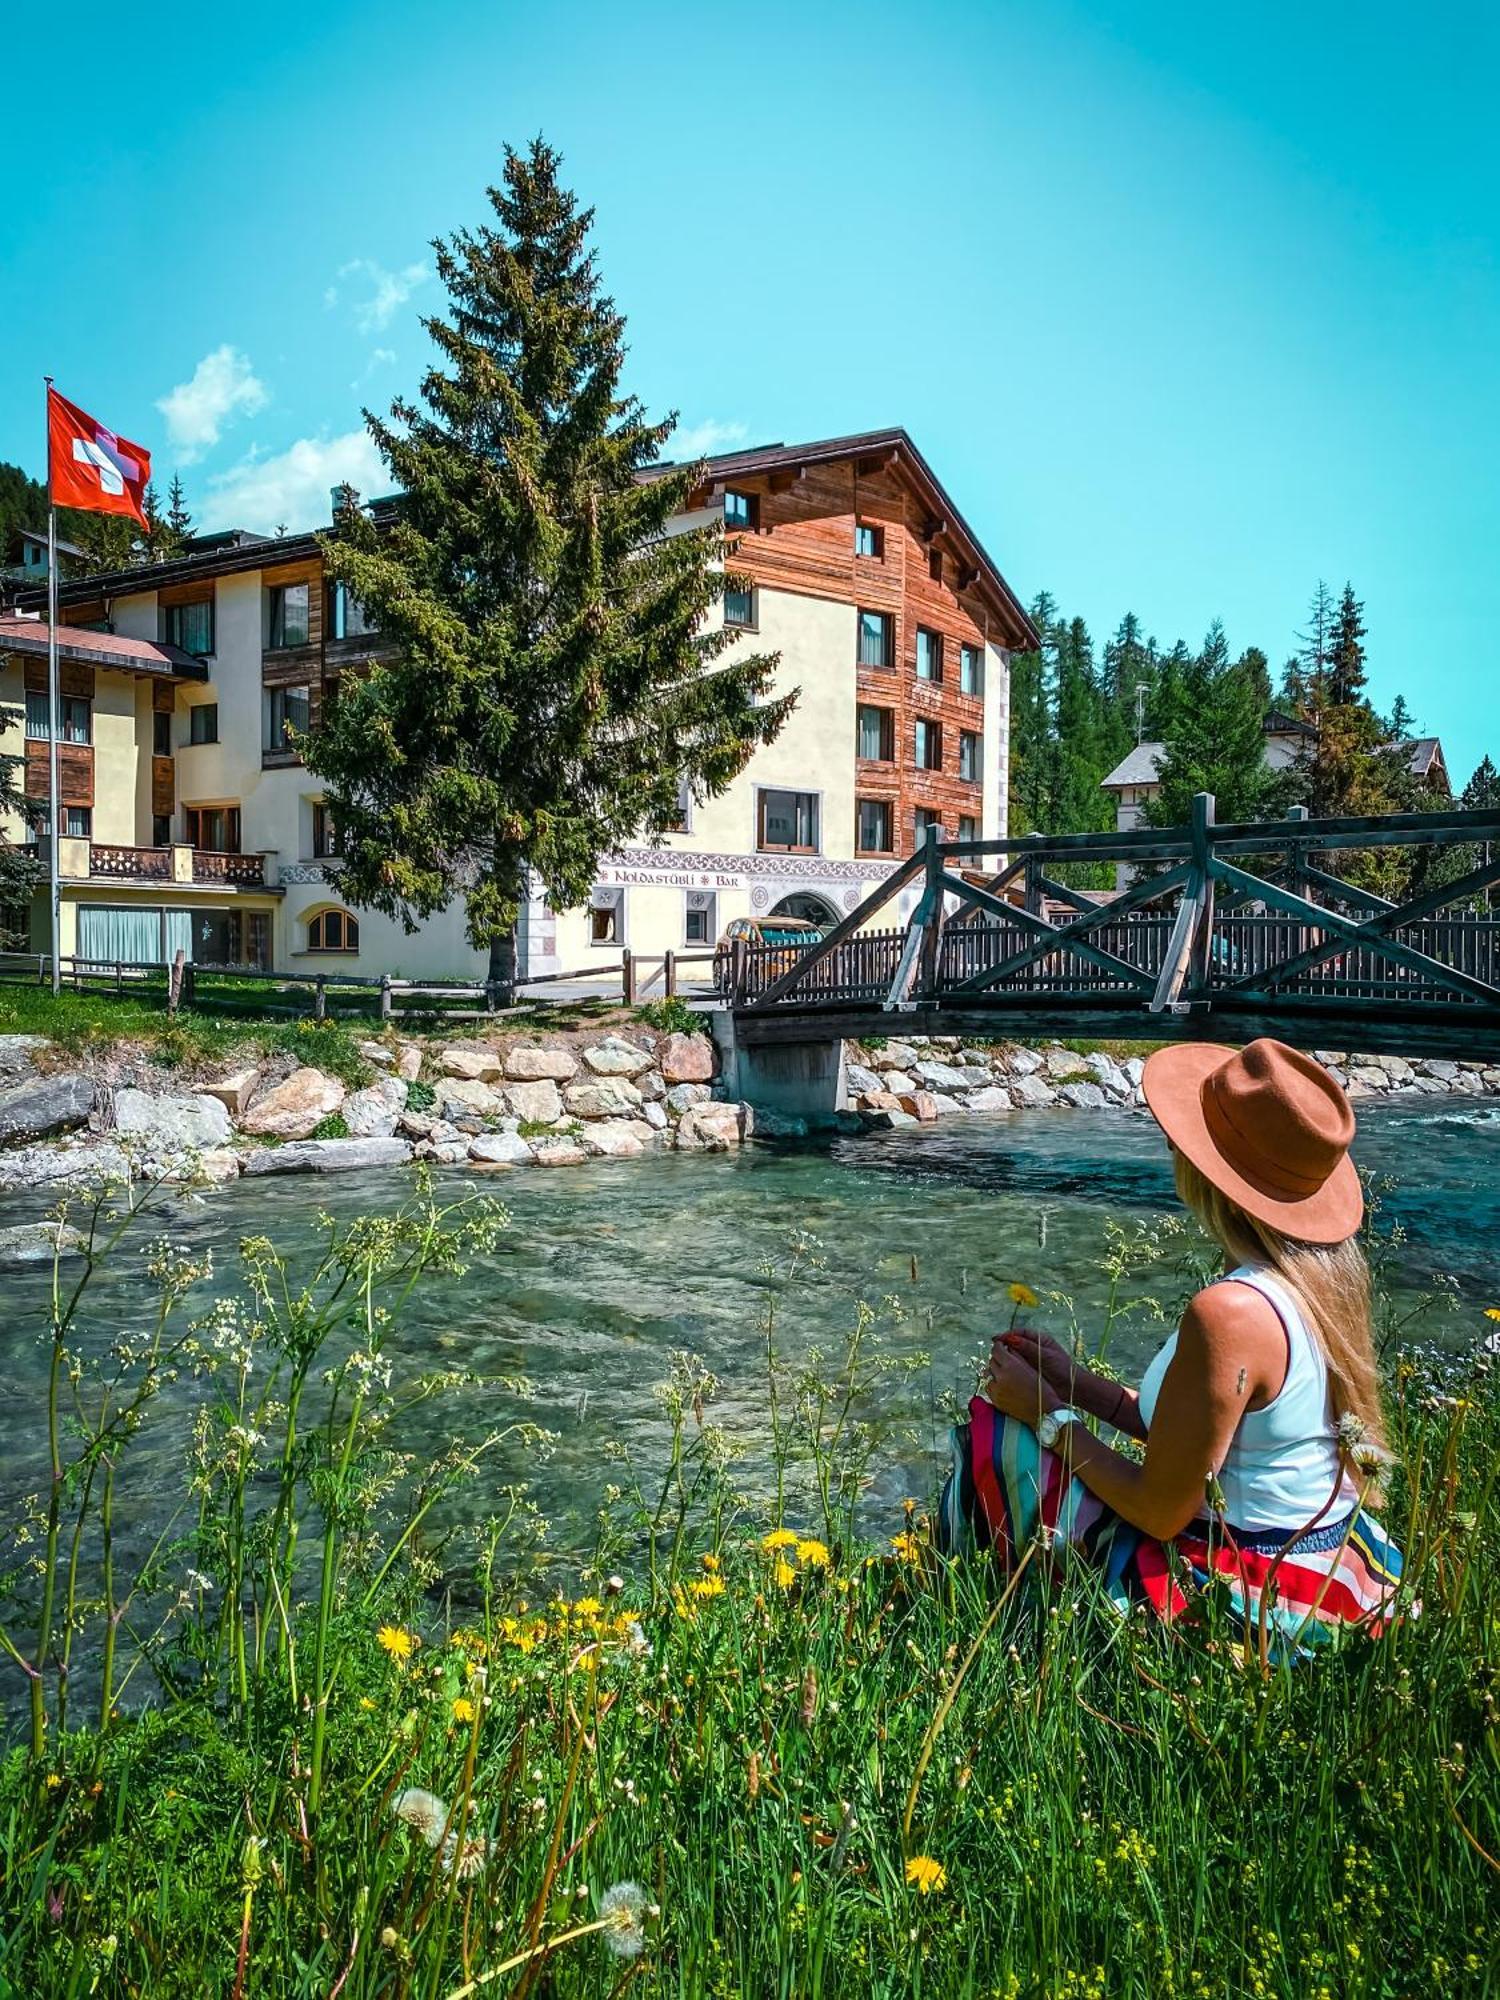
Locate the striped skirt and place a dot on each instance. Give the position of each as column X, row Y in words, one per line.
column 1298, row 1589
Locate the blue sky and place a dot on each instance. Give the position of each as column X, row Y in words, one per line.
column 1188, row 307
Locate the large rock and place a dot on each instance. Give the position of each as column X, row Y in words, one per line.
column 328, row 1156
column 541, row 1065
column 69, row 1163
column 38, row 1243
column 617, row 1057
column 409, row 1061
column 939, row 1076
column 613, row 1138
column 293, row 1109
column 609, row 1097
column 1031, row 1092
column 921, row 1104
column 887, row 1121
column 879, row 1100
column 234, row 1091
column 945, row 1106
column 372, row 1113
column 711, row 1128
column 538, row 1103
column 474, row 1061
column 165, row 1125
column 683, row 1096
column 18, row 1052
column 1109, row 1076
column 1022, row 1062
column 655, row 1116
column 1062, row 1065
column 1083, row 1096
column 895, row 1055
column 860, row 1081
column 897, row 1080
column 465, row 1101
column 377, row 1053
column 501, row 1149
column 685, row 1058
column 994, row 1097
column 1438, row 1068
column 560, row 1153
column 42, row 1105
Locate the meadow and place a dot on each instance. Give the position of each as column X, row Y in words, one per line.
column 346, row 1724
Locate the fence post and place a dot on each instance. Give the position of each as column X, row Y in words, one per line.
column 1033, row 878
column 385, row 996
column 627, row 977
column 320, row 999
column 669, row 973
column 932, row 908
column 174, row 983
column 737, row 972
column 1201, row 884
column 119, row 980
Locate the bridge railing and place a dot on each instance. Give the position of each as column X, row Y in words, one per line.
column 1237, row 919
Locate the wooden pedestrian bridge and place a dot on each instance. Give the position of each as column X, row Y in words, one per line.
column 1220, row 932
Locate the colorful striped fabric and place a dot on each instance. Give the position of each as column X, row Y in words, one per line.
column 1305, row 1586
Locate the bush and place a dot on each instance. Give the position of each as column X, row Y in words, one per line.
column 671, row 1017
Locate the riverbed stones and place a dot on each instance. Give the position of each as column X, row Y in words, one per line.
column 921, row 1104
column 294, row 1108
column 560, row 1153
column 328, row 1156
column 607, row 1097
column 879, row 1100
column 470, row 1104
column 939, row 1076
column 685, row 1058
column 1022, row 1062
column 501, row 1149
column 890, row 1119
column 169, row 1124
column 41, row 1105
column 472, row 1060
column 234, row 1091
column 615, row 1138
column 654, row 1114
column 538, row 1103
column 995, row 1097
column 1083, row 1096
column 372, row 1113
column 1438, row 1068
column 683, row 1096
column 70, row 1162
column 38, row 1243
column 712, row 1128
column 541, row 1066
column 1031, row 1092
column 859, row 1080
column 617, row 1057
column 947, row 1106
column 18, row 1052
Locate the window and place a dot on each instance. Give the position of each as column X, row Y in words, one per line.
column 348, row 616
column 203, row 722
column 873, row 827
column 700, row 917
column 869, row 540
column 607, row 916
column 216, row 829
column 875, row 639
column 161, row 734
column 968, row 827
column 77, row 719
column 877, row 733
column 78, row 822
column 740, row 510
column 788, row 822
column 923, row 818
column 333, row 930
column 739, row 607
column 970, row 670
column 161, row 829
column 929, row 655
column 929, row 745
column 38, row 717
column 191, row 626
column 326, row 842
column 970, row 755
column 286, row 708
column 289, row 624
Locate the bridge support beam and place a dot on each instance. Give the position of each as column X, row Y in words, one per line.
column 785, row 1078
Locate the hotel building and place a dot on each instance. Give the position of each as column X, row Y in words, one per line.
column 188, row 822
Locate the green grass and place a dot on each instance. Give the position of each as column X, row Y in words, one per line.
column 1108, row 1809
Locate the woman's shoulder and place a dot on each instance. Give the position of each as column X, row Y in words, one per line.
column 1233, row 1313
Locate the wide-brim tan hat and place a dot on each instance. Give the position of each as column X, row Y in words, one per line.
column 1268, row 1127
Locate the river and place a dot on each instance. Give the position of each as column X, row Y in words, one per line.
column 608, row 1269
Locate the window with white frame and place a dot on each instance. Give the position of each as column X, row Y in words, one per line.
column 700, row 924
column 971, row 670
column 970, row 755
column 607, row 916
column 739, row 607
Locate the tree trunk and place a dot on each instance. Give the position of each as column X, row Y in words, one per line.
column 500, row 982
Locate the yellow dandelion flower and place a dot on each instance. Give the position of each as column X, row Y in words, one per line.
column 814, row 1553
column 587, row 1607
column 1022, row 1295
column 365, row 1702
column 908, row 1549
column 398, row 1643
column 925, row 1875
column 53, row 1781
column 463, row 1709
column 780, row 1538
column 707, row 1586
column 785, row 1576
column 711, row 1564
column 1492, row 1312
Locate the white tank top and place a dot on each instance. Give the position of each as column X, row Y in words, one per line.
column 1283, row 1460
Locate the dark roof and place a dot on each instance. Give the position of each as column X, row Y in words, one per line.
column 1279, row 723
column 1422, row 753
column 102, row 649
column 63, row 548
column 1140, row 766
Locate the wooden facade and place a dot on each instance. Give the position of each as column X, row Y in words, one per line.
column 75, row 761
column 803, row 538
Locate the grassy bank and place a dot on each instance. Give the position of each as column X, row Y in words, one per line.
column 353, row 1730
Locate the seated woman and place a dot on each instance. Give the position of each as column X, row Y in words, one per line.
column 1260, row 1416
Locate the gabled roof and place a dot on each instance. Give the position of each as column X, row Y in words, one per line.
column 102, row 649
column 63, row 548
column 1141, row 767
column 1424, row 754
column 1279, row 723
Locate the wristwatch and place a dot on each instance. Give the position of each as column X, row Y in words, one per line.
column 1052, row 1425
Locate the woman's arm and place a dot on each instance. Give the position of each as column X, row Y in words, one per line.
column 1095, row 1395
column 1231, row 1355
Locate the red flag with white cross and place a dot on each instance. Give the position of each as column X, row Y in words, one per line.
column 91, row 467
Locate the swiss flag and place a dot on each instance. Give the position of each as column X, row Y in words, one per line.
column 90, row 467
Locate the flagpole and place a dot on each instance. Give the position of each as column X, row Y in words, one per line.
column 54, row 719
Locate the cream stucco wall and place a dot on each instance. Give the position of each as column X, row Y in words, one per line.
column 13, row 735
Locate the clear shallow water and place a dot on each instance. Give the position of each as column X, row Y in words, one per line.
column 608, row 1269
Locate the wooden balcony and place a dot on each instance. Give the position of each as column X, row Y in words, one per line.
column 130, row 864
column 240, row 871
column 106, row 861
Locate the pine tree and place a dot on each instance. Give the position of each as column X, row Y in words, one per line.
column 548, row 687
column 1212, row 720
column 179, row 520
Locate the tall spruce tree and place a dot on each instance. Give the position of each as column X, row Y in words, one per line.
column 179, row 520
column 1211, row 717
column 549, row 686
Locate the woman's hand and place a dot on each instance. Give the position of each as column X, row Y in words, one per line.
column 1048, row 1357
column 1015, row 1386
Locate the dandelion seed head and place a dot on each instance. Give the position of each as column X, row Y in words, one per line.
column 623, row 1910
column 424, row 1812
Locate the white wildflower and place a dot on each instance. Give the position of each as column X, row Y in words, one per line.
column 1350, row 1432
column 423, row 1812
column 623, row 1909
column 635, row 1643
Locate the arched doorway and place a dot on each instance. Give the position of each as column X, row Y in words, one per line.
column 811, row 909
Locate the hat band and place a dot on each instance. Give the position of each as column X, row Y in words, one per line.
column 1276, row 1176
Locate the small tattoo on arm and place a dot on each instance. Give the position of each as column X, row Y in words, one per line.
column 1240, row 1385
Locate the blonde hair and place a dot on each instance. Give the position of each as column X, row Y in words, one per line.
column 1331, row 1280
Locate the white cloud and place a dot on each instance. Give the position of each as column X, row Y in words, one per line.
column 293, row 486
column 380, row 357
column 389, row 290
column 223, row 385
column 690, row 441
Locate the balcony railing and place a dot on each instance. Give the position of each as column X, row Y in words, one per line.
column 106, row 861
column 131, row 864
column 242, row 871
